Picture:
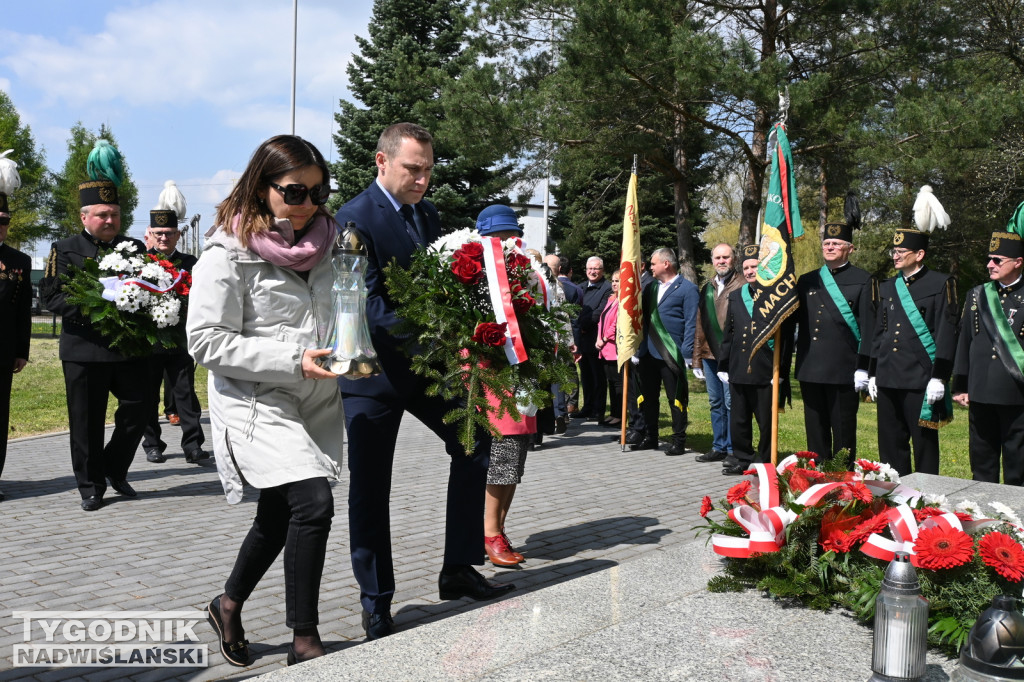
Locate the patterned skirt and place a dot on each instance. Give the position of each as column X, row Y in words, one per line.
column 508, row 460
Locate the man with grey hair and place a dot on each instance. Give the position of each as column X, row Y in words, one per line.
column 666, row 351
column 592, row 383
column 713, row 308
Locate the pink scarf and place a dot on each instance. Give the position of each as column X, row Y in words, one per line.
column 275, row 245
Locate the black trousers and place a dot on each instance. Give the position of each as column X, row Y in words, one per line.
column 295, row 517
column 88, row 385
column 995, row 430
column 750, row 402
column 830, row 418
column 592, row 385
column 634, row 389
column 6, row 380
column 653, row 374
column 899, row 411
column 612, row 386
column 181, row 374
column 372, row 426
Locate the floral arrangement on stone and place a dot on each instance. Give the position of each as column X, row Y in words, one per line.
column 133, row 299
column 823, row 537
column 477, row 314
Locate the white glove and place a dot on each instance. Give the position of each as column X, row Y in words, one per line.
column 723, row 377
column 699, row 373
column 934, row 392
column 635, row 360
column 860, row 380
column 872, row 389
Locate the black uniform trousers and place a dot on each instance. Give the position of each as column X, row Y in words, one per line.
column 830, row 418
column 592, row 384
column 88, row 385
column 372, row 425
column 181, row 374
column 750, row 402
column 634, row 389
column 6, row 381
column 654, row 373
column 995, row 429
column 899, row 411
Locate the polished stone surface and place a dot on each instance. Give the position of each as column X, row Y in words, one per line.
column 649, row 617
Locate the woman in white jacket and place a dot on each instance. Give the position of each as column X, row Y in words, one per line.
column 258, row 314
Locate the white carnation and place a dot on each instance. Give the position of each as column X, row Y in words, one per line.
column 113, row 262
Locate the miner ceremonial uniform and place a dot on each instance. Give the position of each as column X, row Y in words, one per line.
column 988, row 367
column 836, row 325
column 915, row 341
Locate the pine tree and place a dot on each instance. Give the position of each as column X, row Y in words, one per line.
column 414, row 49
column 29, row 203
column 65, row 205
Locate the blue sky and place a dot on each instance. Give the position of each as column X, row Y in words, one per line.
column 189, row 87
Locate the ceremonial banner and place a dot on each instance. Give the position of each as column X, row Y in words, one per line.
column 774, row 293
column 627, row 325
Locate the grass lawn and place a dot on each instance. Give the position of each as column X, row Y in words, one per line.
column 38, row 405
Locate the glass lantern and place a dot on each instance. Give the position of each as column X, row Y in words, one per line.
column 352, row 353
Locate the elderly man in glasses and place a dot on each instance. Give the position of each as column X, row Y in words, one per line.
column 988, row 376
column 162, row 237
column 912, row 357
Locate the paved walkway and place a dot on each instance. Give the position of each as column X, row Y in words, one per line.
column 584, row 506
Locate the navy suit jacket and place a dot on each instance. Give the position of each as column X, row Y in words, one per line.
column 678, row 312
column 382, row 229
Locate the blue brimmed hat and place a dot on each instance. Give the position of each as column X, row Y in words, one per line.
column 497, row 218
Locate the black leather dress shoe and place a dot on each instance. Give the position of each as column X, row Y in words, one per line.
column 2, row 496
column 713, row 456
column 734, row 470
column 377, row 625
column 196, row 456
column 675, row 450
column 645, row 444
column 155, row 456
column 729, row 461
column 123, row 487
column 92, row 503
column 456, row 582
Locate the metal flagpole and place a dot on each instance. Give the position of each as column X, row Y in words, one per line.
column 295, row 48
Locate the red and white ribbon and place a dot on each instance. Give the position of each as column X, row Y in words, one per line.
column 766, row 529
column 904, row 528
column 111, row 285
column 501, row 299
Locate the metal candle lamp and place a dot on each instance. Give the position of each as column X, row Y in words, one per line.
column 352, row 354
column 901, row 625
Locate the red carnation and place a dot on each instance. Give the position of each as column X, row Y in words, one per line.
column 705, row 506
column 474, row 250
column 938, row 548
column 868, row 465
column 466, row 269
column 490, row 333
column 1003, row 554
column 738, row 493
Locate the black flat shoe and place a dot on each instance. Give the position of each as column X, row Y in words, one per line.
column 646, row 444
column 123, row 487
column 456, row 582
column 235, row 653
column 734, row 470
column 377, row 625
column 92, row 503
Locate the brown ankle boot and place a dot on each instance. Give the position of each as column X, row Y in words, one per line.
column 499, row 552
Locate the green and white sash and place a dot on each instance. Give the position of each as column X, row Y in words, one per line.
column 932, row 416
column 1006, row 343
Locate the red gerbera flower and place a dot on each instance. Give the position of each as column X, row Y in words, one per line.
column 940, row 548
column 857, row 491
column 705, row 506
column 1004, row 554
column 865, row 529
column 868, row 465
column 836, row 540
column 807, row 454
column 926, row 513
column 738, row 493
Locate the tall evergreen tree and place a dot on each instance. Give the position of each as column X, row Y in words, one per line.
column 414, row 49
column 29, row 217
column 65, row 205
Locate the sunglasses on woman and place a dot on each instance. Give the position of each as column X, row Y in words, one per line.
column 295, row 195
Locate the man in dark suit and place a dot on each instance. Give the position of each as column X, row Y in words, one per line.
column 988, row 375
column 573, row 294
column 173, row 363
column 16, row 313
column 592, row 382
column 669, row 324
column 393, row 220
column 750, row 378
column 92, row 370
column 833, row 348
column 912, row 357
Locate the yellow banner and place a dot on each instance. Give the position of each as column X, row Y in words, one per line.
column 627, row 327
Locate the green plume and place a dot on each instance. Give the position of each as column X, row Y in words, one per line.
column 104, row 163
column 1016, row 224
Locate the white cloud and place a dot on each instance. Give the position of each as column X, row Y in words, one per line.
column 190, row 52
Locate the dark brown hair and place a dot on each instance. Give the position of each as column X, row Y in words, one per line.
column 273, row 159
column 391, row 139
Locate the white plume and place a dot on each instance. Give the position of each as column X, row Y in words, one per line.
column 9, row 178
column 171, row 199
column 928, row 212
